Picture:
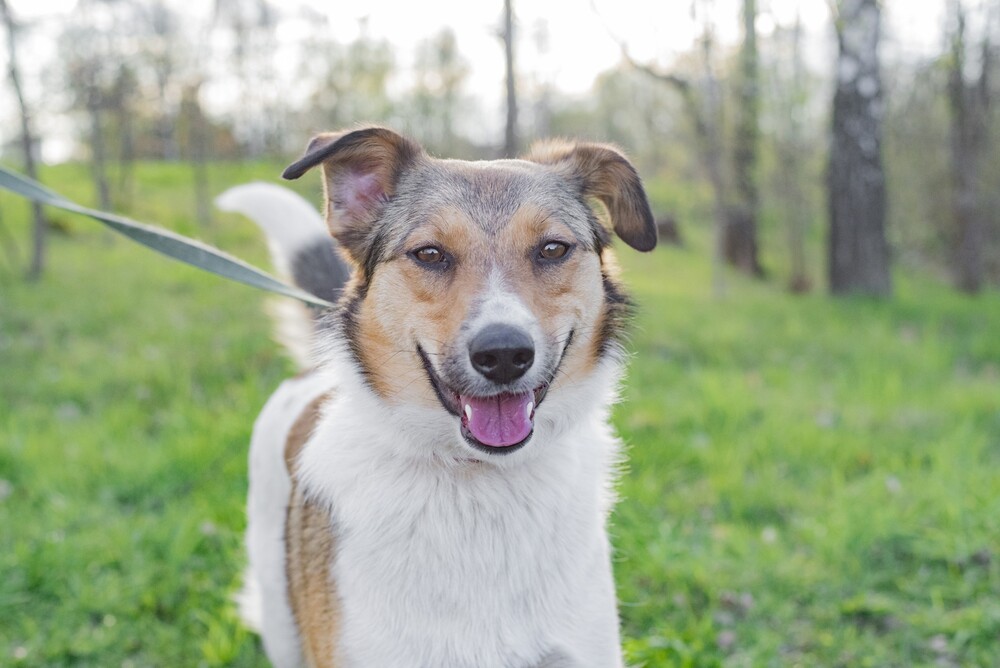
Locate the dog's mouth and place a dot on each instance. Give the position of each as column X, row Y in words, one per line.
column 496, row 424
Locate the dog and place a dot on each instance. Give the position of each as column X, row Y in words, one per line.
column 434, row 491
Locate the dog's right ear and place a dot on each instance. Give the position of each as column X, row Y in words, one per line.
column 603, row 172
column 361, row 169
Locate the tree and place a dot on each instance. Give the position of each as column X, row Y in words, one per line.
column 123, row 94
column 102, row 84
column 259, row 117
column 347, row 84
column 162, row 51
column 197, row 143
column 703, row 104
column 858, row 250
column 440, row 72
column 969, row 103
column 791, row 148
column 27, row 142
column 739, row 239
column 510, row 141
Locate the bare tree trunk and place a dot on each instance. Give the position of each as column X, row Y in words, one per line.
column 705, row 112
column 98, row 150
column 27, row 144
column 739, row 239
column 712, row 151
column 790, row 170
column 510, row 142
column 858, row 250
column 969, row 105
column 126, row 161
column 198, row 136
column 123, row 115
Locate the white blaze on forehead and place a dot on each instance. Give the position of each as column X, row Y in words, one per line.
column 499, row 303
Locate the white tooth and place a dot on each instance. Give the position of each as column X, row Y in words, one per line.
column 531, row 406
column 468, row 411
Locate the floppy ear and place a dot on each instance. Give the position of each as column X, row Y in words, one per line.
column 360, row 171
column 602, row 171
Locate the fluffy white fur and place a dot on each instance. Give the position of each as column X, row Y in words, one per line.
column 288, row 220
column 416, row 513
column 290, row 224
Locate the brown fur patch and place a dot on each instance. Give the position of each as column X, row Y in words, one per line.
column 309, row 549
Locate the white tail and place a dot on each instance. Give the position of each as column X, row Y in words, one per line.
column 289, row 221
column 301, row 250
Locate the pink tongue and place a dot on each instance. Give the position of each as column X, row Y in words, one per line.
column 500, row 420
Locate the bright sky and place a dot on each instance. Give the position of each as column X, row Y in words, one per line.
column 579, row 40
column 582, row 33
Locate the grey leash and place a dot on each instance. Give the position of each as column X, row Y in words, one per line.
column 188, row 251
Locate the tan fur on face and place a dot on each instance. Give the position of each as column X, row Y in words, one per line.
column 408, row 304
column 564, row 298
column 309, row 547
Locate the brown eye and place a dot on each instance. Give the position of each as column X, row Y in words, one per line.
column 428, row 255
column 553, row 250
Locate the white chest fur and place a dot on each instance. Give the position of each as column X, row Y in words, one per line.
column 442, row 562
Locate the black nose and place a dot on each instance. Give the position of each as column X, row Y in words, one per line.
column 502, row 353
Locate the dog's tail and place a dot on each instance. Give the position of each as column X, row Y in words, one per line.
column 302, row 251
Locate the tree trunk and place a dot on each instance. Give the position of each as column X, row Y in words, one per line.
column 969, row 105
column 98, row 151
column 510, row 142
column 705, row 111
column 790, row 164
column 712, row 156
column 858, row 250
column 200, row 139
column 739, row 238
column 27, row 145
column 123, row 115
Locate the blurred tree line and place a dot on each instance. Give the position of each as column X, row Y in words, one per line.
column 874, row 163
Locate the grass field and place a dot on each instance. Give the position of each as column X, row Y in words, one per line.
column 813, row 482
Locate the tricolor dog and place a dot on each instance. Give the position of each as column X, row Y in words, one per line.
column 434, row 492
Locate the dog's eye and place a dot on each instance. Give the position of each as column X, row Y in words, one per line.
column 428, row 255
column 553, row 250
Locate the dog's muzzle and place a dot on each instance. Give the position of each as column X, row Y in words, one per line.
column 498, row 420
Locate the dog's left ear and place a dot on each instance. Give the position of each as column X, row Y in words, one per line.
column 361, row 170
column 603, row 172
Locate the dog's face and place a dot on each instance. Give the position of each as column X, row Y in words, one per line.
column 480, row 287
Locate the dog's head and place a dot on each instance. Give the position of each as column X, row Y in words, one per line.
column 479, row 288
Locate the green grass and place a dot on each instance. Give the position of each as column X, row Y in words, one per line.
column 812, row 481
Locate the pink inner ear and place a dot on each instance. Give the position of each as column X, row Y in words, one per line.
column 358, row 193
